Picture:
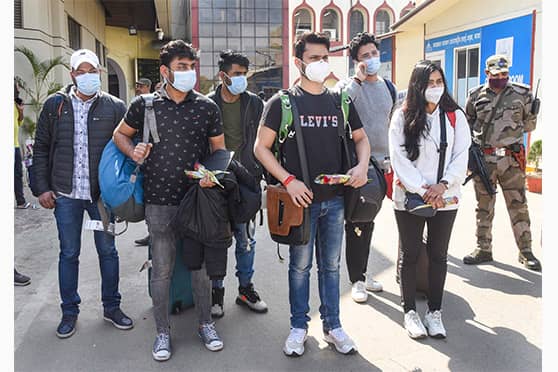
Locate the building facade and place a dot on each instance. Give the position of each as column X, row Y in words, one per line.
column 341, row 20
column 460, row 38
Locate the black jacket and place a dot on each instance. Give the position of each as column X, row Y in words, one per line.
column 251, row 108
column 53, row 150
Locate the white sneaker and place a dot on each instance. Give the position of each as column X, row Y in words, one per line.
column 294, row 345
column 433, row 322
column 358, row 292
column 413, row 325
column 373, row 285
column 341, row 341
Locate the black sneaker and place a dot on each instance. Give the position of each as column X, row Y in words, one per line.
column 67, row 326
column 20, row 279
column 477, row 256
column 249, row 297
column 529, row 261
column 217, row 296
column 143, row 241
column 118, row 319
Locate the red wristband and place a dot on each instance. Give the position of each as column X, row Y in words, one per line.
column 288, row 180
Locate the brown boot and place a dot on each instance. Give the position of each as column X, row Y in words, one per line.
column 477, row 256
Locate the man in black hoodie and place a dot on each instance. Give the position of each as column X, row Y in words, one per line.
column 241, row 111
column 74, row 126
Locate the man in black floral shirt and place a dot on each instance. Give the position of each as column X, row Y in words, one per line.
column 189, row 126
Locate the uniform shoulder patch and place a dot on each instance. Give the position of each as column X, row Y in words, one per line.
column 521, row 88
column 476, row 90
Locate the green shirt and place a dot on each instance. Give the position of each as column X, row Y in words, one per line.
column 232, row 126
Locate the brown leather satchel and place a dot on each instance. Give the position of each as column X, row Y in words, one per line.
column 282, row 213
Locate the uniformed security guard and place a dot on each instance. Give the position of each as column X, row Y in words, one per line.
column 499, row 112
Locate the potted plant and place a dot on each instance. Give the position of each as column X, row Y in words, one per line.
column 534, row 177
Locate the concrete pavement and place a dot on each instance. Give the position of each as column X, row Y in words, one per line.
column 492, row 312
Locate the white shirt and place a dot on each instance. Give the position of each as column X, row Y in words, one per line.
column 424, row 170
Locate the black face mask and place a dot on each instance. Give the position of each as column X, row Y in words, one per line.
column 498, row 83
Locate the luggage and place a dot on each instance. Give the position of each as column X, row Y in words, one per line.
column 422, row 269
column 181, row 296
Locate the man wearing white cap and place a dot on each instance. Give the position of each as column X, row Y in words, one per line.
column 74, row 126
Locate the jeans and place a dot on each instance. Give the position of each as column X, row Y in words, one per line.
column 245, row 252
column 18, row 178
column 327, row 233
column 411, row 230
column 163, row 253
column 69, row 219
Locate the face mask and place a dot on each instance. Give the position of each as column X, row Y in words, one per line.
column 433, row 95
column 238, row 84
column 88, row 84
column 184, row 81
column 317, row 71
column 372, row 65
column 498, row 83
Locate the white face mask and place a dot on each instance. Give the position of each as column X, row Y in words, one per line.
column 317, row 71
column 433, row 95
column 184, row 81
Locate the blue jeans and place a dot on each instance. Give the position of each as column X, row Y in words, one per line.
column 245, row 251
column 69, row 220
column 327, row 232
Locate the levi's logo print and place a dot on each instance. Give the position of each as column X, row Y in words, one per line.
column 318, row 121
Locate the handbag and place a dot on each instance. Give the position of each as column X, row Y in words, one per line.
column 287, row 223
column 362, row 204
column 414, row 203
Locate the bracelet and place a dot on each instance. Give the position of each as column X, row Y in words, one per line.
column 288, row 180
column 445, row 183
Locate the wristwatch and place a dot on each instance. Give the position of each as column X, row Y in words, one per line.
column 358, row 81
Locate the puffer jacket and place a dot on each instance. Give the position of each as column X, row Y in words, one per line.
column 53, row 151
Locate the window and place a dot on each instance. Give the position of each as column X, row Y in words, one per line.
column 467, row 72
column 74, row 34
column 302, row 21
column 356, row 23
column 99, row 51
column 18, row 14
column 383, row 21
column 252, row 27
column 330, row 24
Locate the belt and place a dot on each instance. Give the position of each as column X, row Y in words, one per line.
column 498, row 151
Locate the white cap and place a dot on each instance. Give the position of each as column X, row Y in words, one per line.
column 83, row 55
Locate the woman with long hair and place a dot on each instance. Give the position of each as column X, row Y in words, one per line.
column 415, row 139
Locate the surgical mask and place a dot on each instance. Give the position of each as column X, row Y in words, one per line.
column 184, row 81
column 433, row 95
column 372, row 65
column 88, row 83
column 317, row 71
column 498, row 83
column 238, row 84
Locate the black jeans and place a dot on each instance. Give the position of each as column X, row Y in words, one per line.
column 18, row 178
column 357, row 249
column 411, row 230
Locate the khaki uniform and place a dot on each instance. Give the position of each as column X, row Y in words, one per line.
column 511, row 119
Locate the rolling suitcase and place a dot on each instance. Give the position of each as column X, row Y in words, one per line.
column 180, row 296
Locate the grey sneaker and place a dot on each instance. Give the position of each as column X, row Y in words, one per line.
column 162, row 347
column 209, row 336
column 342, row 342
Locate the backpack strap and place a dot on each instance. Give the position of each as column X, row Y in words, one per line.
column 443, row 144
column 345, row 101
column 286, row 116
column 150, row 122
column 392, row 90
column 452, row 118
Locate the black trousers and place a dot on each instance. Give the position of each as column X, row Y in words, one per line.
column 357, row 248
column 411, row 230
column 18, row 178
